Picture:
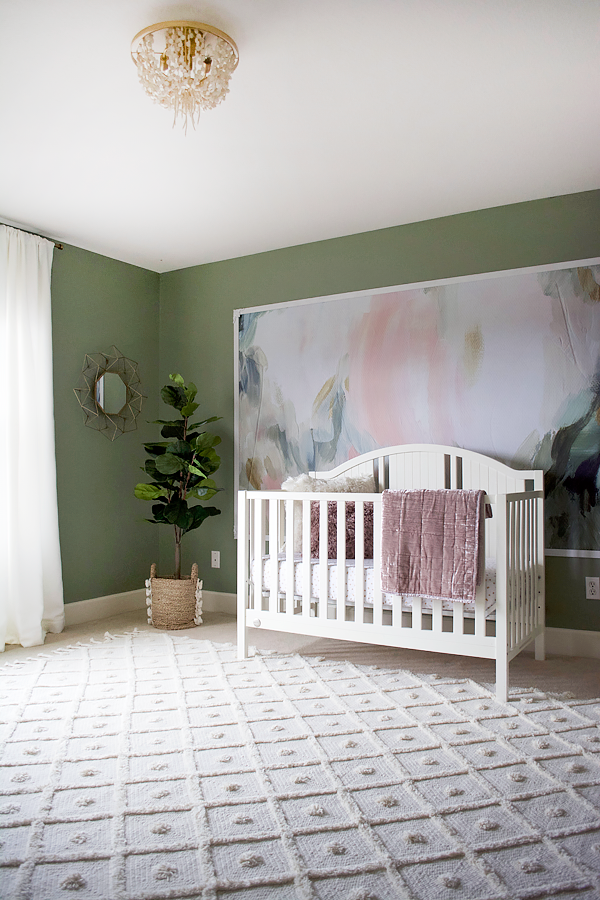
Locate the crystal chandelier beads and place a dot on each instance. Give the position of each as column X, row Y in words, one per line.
column 184, row 66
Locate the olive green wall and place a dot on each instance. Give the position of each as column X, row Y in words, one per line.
column 97, row 302
column 196, row 328
column 106, row 544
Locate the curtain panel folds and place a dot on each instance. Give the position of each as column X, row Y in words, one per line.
column 31, row 590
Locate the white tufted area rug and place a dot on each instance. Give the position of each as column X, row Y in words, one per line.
column 156, row 766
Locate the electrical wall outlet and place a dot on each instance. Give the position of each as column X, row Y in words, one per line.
column 215, row 559
column 592, row 588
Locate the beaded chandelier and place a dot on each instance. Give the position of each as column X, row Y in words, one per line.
column 184, row 66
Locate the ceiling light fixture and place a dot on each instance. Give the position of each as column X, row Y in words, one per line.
column 187, row 68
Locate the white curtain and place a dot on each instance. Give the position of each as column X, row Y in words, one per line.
column 31, row 591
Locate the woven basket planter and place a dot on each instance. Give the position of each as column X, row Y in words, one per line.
column 174, row 602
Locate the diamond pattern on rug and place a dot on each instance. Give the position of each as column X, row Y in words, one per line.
column 151, row 766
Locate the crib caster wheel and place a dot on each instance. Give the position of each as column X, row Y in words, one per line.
column 256, row 623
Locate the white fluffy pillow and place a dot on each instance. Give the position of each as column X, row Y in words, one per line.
column 342, row 484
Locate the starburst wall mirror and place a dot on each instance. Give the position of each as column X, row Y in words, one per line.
column 109, row 393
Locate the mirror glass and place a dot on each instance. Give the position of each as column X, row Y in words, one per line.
column 111, row 393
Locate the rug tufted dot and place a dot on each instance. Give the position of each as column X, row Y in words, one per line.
column 488, row 825
column 415, row 837
column 336, row 848
column 251, row 860
column 316, row 810
column 164, row 872
column 74, row 882
column 80, row 838
column 301, row 779
column 531, row 867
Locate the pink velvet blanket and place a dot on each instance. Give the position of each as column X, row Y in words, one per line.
column 432, row 543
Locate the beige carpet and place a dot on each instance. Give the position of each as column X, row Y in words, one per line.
column 557, row 674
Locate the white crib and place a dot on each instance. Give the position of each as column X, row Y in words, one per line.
column 282, row 591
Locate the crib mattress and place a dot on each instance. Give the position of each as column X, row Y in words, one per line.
column 315, row 570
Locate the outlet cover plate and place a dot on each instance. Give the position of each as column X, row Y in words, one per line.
column 215, row 559
column 592, row 588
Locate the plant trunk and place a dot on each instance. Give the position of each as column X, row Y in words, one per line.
column 177, row 552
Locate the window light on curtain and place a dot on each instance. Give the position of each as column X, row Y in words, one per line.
column 31, row 591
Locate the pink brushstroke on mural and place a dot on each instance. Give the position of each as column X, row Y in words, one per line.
column 396, row 356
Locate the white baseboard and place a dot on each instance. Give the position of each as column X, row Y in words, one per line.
column 573, row 642
column 103, row 607
column 129, row 601
column 219, row 601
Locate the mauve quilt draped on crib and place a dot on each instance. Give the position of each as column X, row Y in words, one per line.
column 432, row 543
column 31, row 589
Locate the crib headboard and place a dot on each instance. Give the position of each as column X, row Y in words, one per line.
column 436, row 466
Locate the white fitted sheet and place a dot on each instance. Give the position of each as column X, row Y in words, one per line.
column 315, row 569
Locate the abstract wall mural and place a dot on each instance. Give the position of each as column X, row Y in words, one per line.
column 506, row 364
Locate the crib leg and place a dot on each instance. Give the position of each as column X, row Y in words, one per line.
column 502, row 678
column 242, row 636
column 242, row 631
column 540, row 646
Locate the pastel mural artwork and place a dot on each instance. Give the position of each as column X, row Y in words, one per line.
column 507, row 365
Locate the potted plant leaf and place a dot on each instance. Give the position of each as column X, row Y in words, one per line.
column 180, row 469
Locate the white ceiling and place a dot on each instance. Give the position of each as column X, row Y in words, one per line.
column 343, row 116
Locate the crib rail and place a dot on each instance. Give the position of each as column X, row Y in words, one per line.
column 275, row 524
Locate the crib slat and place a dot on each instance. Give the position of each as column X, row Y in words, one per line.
column 480, row 610
column 503, row 626
column 323, row 560
column 341, row 560
column 540, row 585
column 244, row 562
column 458, row 618
column 274, row 537
column 258, row 544
column 359, row 556
column 306, row 561
column 417, row 613
column 289, row 556
column 377, row 593
column 436, row 610
column 252, row 546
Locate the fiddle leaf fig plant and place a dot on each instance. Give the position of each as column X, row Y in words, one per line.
column 181, row 466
